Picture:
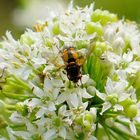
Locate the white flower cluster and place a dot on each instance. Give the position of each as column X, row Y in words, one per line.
column 39, row 102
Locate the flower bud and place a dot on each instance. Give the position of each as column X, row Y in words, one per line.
column 57, row 121
column 81, row 44
column 25, row 39
column 98, row 51
column 48, row 42
column 88, row 117
column 22, row 108
column 100, row 48
column 118, row 44
column 112, row 98
column 126, row 103
column 101, row 45
column 94, row 28
column 87, row 125
column 79, row 120
column 103, row 17
column 56, row 29
column 91, row 82
column 131, row 111
column 91, row 90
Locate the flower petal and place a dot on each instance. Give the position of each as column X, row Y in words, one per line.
column 106, row 106
column 85, row 94
column 49, row 135
column 63, row 132
column 62, row 98
column 133, row 128
column 74, row 100
column 101, row 95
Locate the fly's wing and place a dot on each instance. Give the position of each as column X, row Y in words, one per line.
column 54, row 57
column 57, row 62
column 83, row 57
column 80, row 61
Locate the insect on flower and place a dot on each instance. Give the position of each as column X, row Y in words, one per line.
column 73, row 64
column 74, row 61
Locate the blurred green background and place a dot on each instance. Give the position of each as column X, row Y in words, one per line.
column 17, row 15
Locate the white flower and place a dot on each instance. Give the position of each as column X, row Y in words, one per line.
column 118, row 45
column 73, row 97
column 115, row 93
column 50, row 134
column 16, row 118
column 128, row 31
column 32, row 103
column 49, row 105
column 125, row 61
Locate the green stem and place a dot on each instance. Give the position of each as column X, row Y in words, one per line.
column 110, row 115
column 126, row 123
column 106, row 131
column 17, row 96
column 99, row 78
column 113, row 135
column 117, row 136
column 96, row 131
column 10, row 107
column 97, row 69
column 98, row 105
column 121, row 122
column 85, row 69
column 138, row 125
column 19, row 81
column 92, row 68
column 12, row 83
column 17, row 125
column 90, row 65
column 123, row 133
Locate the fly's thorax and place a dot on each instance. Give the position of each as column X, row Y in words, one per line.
column 69, row 55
